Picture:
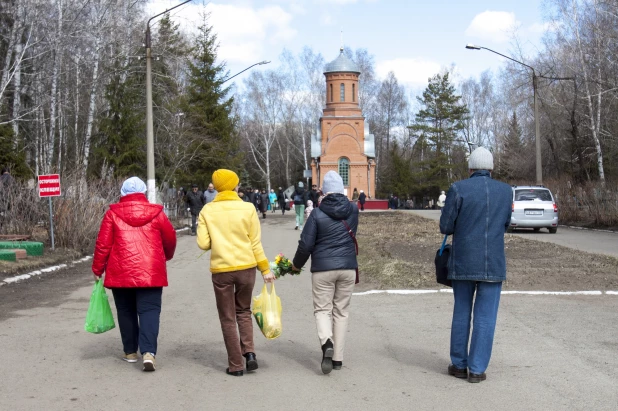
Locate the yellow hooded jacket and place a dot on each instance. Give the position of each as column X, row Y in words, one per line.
column 230, row 228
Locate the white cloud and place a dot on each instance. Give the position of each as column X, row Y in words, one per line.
column 492, row 26
column 243, row 32
column 410, row 71
column 338, row 1
column 326, row 19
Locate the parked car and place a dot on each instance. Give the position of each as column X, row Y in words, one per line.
column 534, row 207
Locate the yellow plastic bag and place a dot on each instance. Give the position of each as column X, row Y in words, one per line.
column 267, row 312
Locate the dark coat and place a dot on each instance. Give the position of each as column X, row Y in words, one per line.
column 477, row 213
column 195, row 201
column 264, row 202
column 314, row 196
column 326, row 239
column 300, row 192
column 362, row 197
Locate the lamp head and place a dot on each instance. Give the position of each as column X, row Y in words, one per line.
column 471, row 46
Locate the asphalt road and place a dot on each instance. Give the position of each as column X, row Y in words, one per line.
column 550, row 353
column 590, row 241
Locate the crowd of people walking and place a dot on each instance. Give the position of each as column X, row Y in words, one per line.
column 136, row 239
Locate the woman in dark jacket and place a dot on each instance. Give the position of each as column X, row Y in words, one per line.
column 264, row 203
column 329, row 238
column 361, row 199
column 281, row 198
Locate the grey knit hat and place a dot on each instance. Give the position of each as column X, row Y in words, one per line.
column 481, row 159
column 332, row 183
column 300, row 184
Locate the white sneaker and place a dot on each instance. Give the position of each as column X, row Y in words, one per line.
column 149, row 361
column 301, row 228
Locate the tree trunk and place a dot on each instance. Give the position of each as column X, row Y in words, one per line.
column 91, row 110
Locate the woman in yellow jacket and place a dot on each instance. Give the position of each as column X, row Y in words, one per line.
column 230, row 228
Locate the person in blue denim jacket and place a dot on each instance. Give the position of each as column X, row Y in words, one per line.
column 477, row 213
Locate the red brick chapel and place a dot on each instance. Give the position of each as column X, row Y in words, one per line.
column 342, row 141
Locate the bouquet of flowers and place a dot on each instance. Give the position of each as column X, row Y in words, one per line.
column 282, row 266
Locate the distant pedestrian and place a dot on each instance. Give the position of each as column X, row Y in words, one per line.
column 362, row 197
column 328, row 240
column 134, row 242
column 477, row 213
column 314, row 195
column 355, row 194
column 195, row 202
column 272, row 197
column 231, row 230
column 257, row 200
column 300, row 200
column 264, row 203
column 210, row 194
column 283, row 200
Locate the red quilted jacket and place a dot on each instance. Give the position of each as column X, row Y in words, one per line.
column 134, row 242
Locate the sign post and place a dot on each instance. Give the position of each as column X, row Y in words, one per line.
column 49, row 186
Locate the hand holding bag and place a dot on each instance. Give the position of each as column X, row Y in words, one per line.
column 99, row 318
column 267, row 312
column 441, row 261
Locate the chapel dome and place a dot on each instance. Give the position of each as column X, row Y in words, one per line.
column 341, row 64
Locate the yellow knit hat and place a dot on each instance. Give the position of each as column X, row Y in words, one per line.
column 224, row 180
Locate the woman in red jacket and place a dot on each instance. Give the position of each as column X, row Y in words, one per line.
column 134, row 243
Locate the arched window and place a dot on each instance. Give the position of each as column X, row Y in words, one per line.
column 342, row 92
column 331, row 93
column 344, row 170
column 354, row 92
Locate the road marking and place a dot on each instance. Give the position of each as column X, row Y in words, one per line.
column 445, row 290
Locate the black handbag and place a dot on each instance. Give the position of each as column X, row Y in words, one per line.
column 442, row 256
column 351, row 233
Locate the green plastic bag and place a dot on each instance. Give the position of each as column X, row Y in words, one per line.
column 99, row 317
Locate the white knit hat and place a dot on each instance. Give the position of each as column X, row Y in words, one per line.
column 332, row 183
column 481, row 159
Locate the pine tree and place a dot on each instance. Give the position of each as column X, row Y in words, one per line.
column 513, row 148
column 208, row 111
column 120, row 144
column 438, row 123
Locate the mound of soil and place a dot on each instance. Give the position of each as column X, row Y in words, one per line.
column 397, row 250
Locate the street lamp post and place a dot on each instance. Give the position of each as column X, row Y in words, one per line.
column 240, row 72
column 150, row 181
column 537, row 137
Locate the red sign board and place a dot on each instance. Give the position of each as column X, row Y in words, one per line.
column 49, row 185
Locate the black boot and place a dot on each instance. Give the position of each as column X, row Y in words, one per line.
column 234, row 373
column 337, row 365
column 252, row 363
column 327, row 356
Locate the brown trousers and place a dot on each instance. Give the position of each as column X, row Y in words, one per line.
column 233, row 292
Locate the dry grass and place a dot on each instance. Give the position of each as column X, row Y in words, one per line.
column 397, row 251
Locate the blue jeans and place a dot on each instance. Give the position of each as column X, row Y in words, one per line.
column 486, row 303
column 139, row 310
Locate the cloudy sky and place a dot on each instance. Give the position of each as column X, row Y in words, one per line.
column 413, row 38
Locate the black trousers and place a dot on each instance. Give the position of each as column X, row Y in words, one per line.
column 139, row 311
